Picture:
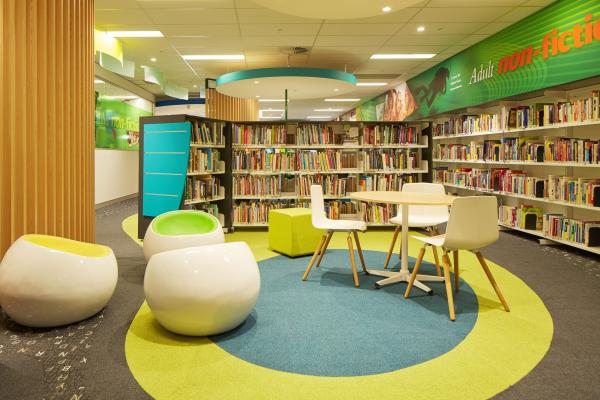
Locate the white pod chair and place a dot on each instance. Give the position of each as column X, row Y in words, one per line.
column 180, row 229
column 202, row 291
column 48, row 281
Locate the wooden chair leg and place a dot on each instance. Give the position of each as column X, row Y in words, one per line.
column 324, row 248
column 351, row 252
column 435, row 232
column 391, row 250
column 456, row 272
column 446, row 263
column 360, row 253
column 492, row 280
column 314, row 257
column 415, row 271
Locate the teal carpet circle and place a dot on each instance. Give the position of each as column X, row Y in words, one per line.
column 327, row 327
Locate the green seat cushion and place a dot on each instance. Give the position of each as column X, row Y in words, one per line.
column 291, row 231
column 184, row 223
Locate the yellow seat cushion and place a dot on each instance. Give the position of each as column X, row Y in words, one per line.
column 68, row 245
column 291, row 231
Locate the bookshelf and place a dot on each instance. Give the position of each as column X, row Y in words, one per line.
column 274, row 165
column 184, row 164
column 540, row 154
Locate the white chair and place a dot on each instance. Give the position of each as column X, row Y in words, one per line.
column 427, row 217
column 473, row 224
column 320, row 221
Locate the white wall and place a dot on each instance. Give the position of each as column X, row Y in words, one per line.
column 116, row 174
column 190, row 109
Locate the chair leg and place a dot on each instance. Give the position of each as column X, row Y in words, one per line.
column 360, row 253
column 391, row 250
column 492, row 280
column 324, row 248
column 456, row 272
column 415, row 271
column 446, row 263
column 314, row 257
column 435, row 232
column 351, row 252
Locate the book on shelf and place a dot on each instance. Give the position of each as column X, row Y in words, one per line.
column 208, row 133
column 259, row 134
column 205, row 160
column 390, row 159
column 202, row 187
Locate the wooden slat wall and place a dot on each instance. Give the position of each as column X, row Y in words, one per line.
column 229, row 108
column 46, row 119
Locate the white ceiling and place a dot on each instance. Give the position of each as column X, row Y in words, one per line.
column 265, row 38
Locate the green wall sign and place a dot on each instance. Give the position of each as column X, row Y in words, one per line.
column 556, row 45
column 117, row 124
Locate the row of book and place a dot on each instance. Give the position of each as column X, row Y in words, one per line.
column 259, row 134
column 582, row 191
column 208, row 133
column 530, row 149
column 205, row 160
column 553, row 226
column 318, row 135
column 524, row 116
column 203, row 187
column 333, row 185
column 390, row 134
column 390, row 160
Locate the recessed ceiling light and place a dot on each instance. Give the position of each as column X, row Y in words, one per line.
column 193, row 57
column 195, row 86
column 256, row 82
column 257, row 96
column 143, row 66
column 400, row 56
column 328, row 109
column 421, row 29
column 336, row 90
column 98, row 81
column 344, row 100
column 153, row 59
column 272, row 100
column 134, row 34
column 319, row 117
column 371, row 84
column 386, row 9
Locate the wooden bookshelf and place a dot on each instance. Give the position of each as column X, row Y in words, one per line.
column 578, row 125
column 259, row 140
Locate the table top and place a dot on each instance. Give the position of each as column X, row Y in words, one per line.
column 395, row 197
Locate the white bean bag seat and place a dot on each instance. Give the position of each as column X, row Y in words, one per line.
column 180, row 229
column 48, row 281
column 202, row 291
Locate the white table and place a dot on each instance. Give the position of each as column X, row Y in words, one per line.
column 404, row 199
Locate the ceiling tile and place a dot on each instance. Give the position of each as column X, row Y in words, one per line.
column 345, row 50
column 170, row 4
column 279, row 29
column 425, row 40
column 472, row 39
column 347, row 40
column 284, row 41
column 266, row 16
column 125, row 17
column 191, row 16
column 469, row 3
column 541, row 3
column 391, row 18
column 209, row 42
column 199, row 30
column 517, row 14
column 115, row 4
column 358, row 29
column 457, row 14
column 246, row 4
column 410, row 48
column 493, row 27
column 441, row 28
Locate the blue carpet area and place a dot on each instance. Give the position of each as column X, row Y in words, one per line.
column 327, row 327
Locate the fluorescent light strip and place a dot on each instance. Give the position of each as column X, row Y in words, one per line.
column 196, row 57
column 98, row 81
column 135, row 34
column 371, row 84
column 343, row 100
column 328, row 109
column 400, row 56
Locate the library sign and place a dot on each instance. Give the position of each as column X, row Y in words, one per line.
column 117, row 124
column 556, row 45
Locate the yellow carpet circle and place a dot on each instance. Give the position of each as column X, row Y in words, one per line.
column 499, row 351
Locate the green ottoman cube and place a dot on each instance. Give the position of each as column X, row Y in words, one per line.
column 291, row 232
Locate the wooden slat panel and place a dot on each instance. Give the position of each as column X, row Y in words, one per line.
column 230, row 108
column 46, row 119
